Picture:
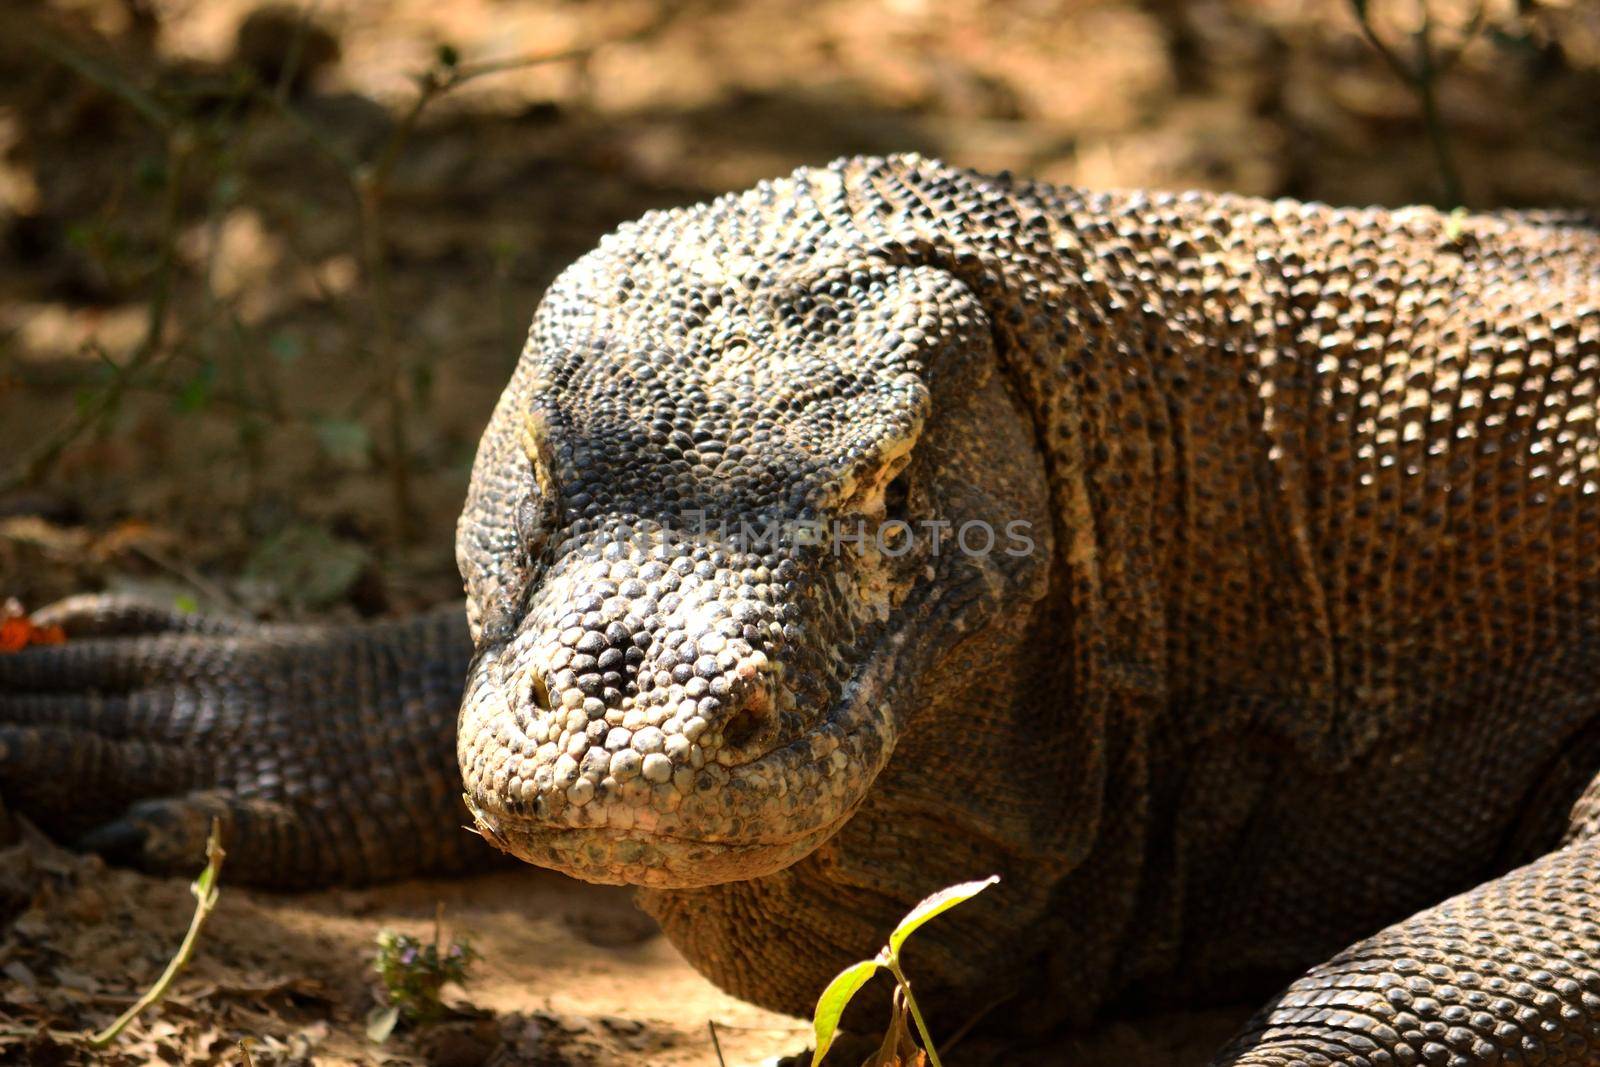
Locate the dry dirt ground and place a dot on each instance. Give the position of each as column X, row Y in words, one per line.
column 569, row 974
column 240, row 296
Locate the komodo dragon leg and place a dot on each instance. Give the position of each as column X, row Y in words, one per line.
column 1508, row 972
column 327, row 752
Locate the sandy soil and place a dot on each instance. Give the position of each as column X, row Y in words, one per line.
column 244, row 460
column 569, row 974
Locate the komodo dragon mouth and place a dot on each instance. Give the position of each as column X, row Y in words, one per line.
column 723, row 821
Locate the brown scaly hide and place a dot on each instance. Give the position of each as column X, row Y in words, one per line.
column 1326, row 492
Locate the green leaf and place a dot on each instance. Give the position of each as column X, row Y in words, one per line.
column 345, row 441
column 150, row 172
column 186, row 603
column 834, row 999
column 195, row 394
column 285, row 346
column 307, row 566
column 381, row 1023
column 226, row 190
column 940, row 902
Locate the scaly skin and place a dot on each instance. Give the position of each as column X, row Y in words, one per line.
column 1304, row 639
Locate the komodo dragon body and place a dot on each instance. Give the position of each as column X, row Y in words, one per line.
column 1286, row 624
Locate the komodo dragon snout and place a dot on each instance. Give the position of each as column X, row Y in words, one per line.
column 706, row 563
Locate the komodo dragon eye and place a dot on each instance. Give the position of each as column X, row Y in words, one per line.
column 539, row 511
column 882, row 491
column 897, row 498
column 532, row 526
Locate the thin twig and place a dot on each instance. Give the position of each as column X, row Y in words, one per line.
column 375, row 265
column 711, row 1024
column 206, row 588
column 1429, row 70
column 205, row 892
column 297, row 47
column 468, row 71
column 180, row 143
column 1423, row 77
column 313, row 134
column 370, row 185
column 1471, row 30
column 47, row 376
column 93, row 70
column 973, row 1020
column 1380, row 46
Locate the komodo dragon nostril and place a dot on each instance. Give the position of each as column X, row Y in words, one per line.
column 527, row 697
column 752, row 716
column 538, row 694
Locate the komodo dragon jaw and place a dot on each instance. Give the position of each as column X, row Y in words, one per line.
column 676, row 793
column 699, row 595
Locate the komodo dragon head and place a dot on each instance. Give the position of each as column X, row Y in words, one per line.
column 749, row 487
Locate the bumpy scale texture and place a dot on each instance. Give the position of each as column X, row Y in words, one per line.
column 1286, row 625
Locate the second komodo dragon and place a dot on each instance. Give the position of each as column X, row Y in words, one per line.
column 1230, row 585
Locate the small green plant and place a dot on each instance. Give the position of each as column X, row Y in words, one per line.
column 835, row 998
column 206, row 892
column 412, row 974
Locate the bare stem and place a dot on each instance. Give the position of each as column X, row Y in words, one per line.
column 716, row 1043
column 1422, row 78
column 1439, row 139
column 205, row 892
column 92, row 70
column 1429, row 70
column 180, row 143
column 916, row 1013
column 370, row 185
column 374, row 260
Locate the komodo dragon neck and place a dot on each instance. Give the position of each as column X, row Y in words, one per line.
column 1246, row 409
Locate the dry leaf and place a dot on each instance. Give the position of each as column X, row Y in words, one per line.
column 898, row 1048
column 18, row 632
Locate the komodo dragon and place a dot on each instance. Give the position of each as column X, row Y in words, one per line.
column 1285, row 626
